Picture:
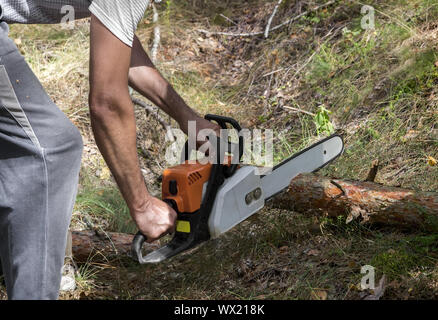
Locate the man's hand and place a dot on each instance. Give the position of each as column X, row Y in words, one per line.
column 202, row 124
column 154, row 219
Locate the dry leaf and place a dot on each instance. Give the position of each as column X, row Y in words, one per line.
column 284, row 249
column 319, row 295
column 378, row 291
column 431, row 161
column 313, row 252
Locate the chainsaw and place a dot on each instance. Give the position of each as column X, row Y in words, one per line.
column 212, row 198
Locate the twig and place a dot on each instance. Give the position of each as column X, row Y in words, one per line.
column 318, row 49
column 228, row 19
column 157, row 35
column 152, row 111
column 339, row 187
column 303, row 14
column 251, row 34
column 373, row 171
column 230, row 34
column 306, row 63
column 268, row 26
column 299, row 110
column 272, row 72
column 101, row 234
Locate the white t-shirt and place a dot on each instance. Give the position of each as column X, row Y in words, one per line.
column 121, row 17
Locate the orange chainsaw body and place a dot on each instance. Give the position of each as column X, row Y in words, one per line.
column 183, row 184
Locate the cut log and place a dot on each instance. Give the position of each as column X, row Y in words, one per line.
column 367, row 201
column 88, row 246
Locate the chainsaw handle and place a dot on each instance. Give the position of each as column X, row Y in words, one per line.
column 137, row 243
column 222, row 122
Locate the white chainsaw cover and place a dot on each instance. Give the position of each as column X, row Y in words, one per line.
column 230, row 207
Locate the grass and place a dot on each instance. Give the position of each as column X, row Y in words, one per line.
column 380, row 87
column 60, row 59
column 353, row 65
column 407, row 256
column 103, row 204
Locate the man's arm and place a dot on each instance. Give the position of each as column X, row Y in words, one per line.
column 113, row 123
column 146, row 79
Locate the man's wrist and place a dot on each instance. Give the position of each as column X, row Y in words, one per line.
column 140, row 205
column 184, row 121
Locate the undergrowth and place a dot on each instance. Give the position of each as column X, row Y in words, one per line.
column 319, row 75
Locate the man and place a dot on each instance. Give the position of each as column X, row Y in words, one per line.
column 40, row 149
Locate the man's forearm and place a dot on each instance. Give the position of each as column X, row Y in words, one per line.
column 112, row 113
column 115, row 136
column 147, row 80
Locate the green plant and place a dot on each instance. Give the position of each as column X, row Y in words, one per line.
column 322, row 121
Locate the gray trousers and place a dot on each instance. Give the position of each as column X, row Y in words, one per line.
column 40, row 156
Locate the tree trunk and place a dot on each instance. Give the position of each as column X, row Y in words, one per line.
column 87, row 246
column 367, row 201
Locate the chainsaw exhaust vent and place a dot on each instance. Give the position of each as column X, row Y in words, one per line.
column 193, row 177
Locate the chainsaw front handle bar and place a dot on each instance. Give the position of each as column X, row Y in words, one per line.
column 223, row 122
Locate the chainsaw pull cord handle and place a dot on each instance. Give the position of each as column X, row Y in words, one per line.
column 140, row 239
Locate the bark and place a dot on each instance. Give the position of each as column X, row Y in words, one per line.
column 366, row 201
column 87, row 245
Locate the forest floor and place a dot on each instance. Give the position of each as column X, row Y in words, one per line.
column 319, row 74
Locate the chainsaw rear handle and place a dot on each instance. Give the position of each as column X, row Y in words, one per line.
column 140, row 239
column 137, row 244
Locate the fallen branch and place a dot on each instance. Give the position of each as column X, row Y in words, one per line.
column 366, row 201
column 268, row 26
column 251, row 34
